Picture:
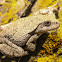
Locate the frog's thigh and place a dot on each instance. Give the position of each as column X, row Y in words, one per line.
column 29, row 44
column 11, row 49
column 7, row 50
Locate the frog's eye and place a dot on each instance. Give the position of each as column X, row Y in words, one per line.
column 47, row 23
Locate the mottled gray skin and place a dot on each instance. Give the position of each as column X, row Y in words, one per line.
column 24, row 31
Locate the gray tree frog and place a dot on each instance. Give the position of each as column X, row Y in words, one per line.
column 24, row 31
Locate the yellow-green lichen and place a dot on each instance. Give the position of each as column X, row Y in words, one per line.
column 9, row 10
column 49, row 59
column 52, row 43
column 60, row 11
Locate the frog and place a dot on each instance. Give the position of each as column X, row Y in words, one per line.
column 25, row 31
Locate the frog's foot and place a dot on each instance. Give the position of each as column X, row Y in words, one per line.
column 31, row 46
column 12, row 52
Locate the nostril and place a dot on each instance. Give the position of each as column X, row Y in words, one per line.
column 56, row 22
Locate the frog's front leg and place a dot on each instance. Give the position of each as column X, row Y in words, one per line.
column 10, row 49
column 29, row 44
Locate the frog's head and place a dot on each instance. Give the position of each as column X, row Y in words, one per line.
column 47, row 26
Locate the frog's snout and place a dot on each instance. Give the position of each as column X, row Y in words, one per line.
column 58, row 25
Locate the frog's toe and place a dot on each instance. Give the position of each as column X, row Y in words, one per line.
column 25, row 53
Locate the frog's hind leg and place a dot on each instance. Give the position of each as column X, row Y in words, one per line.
column 5, row 49
column 10, row 49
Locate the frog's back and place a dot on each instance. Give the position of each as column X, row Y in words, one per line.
column 28, row 24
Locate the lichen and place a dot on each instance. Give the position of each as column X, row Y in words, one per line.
column 9, row 10
column 60, row 11
column 52, row 43
column 49, row 59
